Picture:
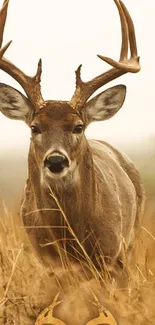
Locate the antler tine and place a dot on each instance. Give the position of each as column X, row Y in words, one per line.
column 128, row 35
column 31, row 85
column 125, row 37
column 124, row 28
column 4, row 48
column 3, row 15
column 132, row 35
column 85, row 89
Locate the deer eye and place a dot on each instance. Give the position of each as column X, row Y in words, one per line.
column 78, row 129
column 35, row 129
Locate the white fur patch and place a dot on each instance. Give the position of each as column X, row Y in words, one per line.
column 59, row 149
column 39, row 137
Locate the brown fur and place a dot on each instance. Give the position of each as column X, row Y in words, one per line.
column 103, row 206
column 101, row 194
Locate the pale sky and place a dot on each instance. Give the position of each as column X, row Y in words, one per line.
column 67, row 33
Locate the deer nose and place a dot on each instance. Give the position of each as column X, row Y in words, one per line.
column 56, row 162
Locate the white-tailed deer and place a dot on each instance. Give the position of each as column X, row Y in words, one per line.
column 83, row 195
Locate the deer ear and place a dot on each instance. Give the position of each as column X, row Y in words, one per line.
column 106, row 104
column 13, row 104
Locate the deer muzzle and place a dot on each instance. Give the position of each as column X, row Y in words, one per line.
column 56, row 162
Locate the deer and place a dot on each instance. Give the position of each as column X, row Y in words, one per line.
column 82, row 197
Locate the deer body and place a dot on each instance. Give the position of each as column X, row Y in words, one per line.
column 103, row 202
column 79, row 193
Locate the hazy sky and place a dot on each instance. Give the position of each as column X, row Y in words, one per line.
column 67, row 33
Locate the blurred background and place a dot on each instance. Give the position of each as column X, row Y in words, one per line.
column 65, row 34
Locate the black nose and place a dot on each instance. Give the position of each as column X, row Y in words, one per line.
column 56, row 162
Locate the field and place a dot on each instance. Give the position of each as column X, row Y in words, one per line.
column 27, row 287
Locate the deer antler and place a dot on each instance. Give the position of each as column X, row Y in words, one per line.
column 3, row 14
column 31, row 85
column 85, row 89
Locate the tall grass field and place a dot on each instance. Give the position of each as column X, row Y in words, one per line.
column 78, row 291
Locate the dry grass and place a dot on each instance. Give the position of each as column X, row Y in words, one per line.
column 27, row 287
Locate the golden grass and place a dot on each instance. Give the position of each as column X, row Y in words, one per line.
column 27, row 287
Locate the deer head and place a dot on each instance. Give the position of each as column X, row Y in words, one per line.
column 58, row 140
